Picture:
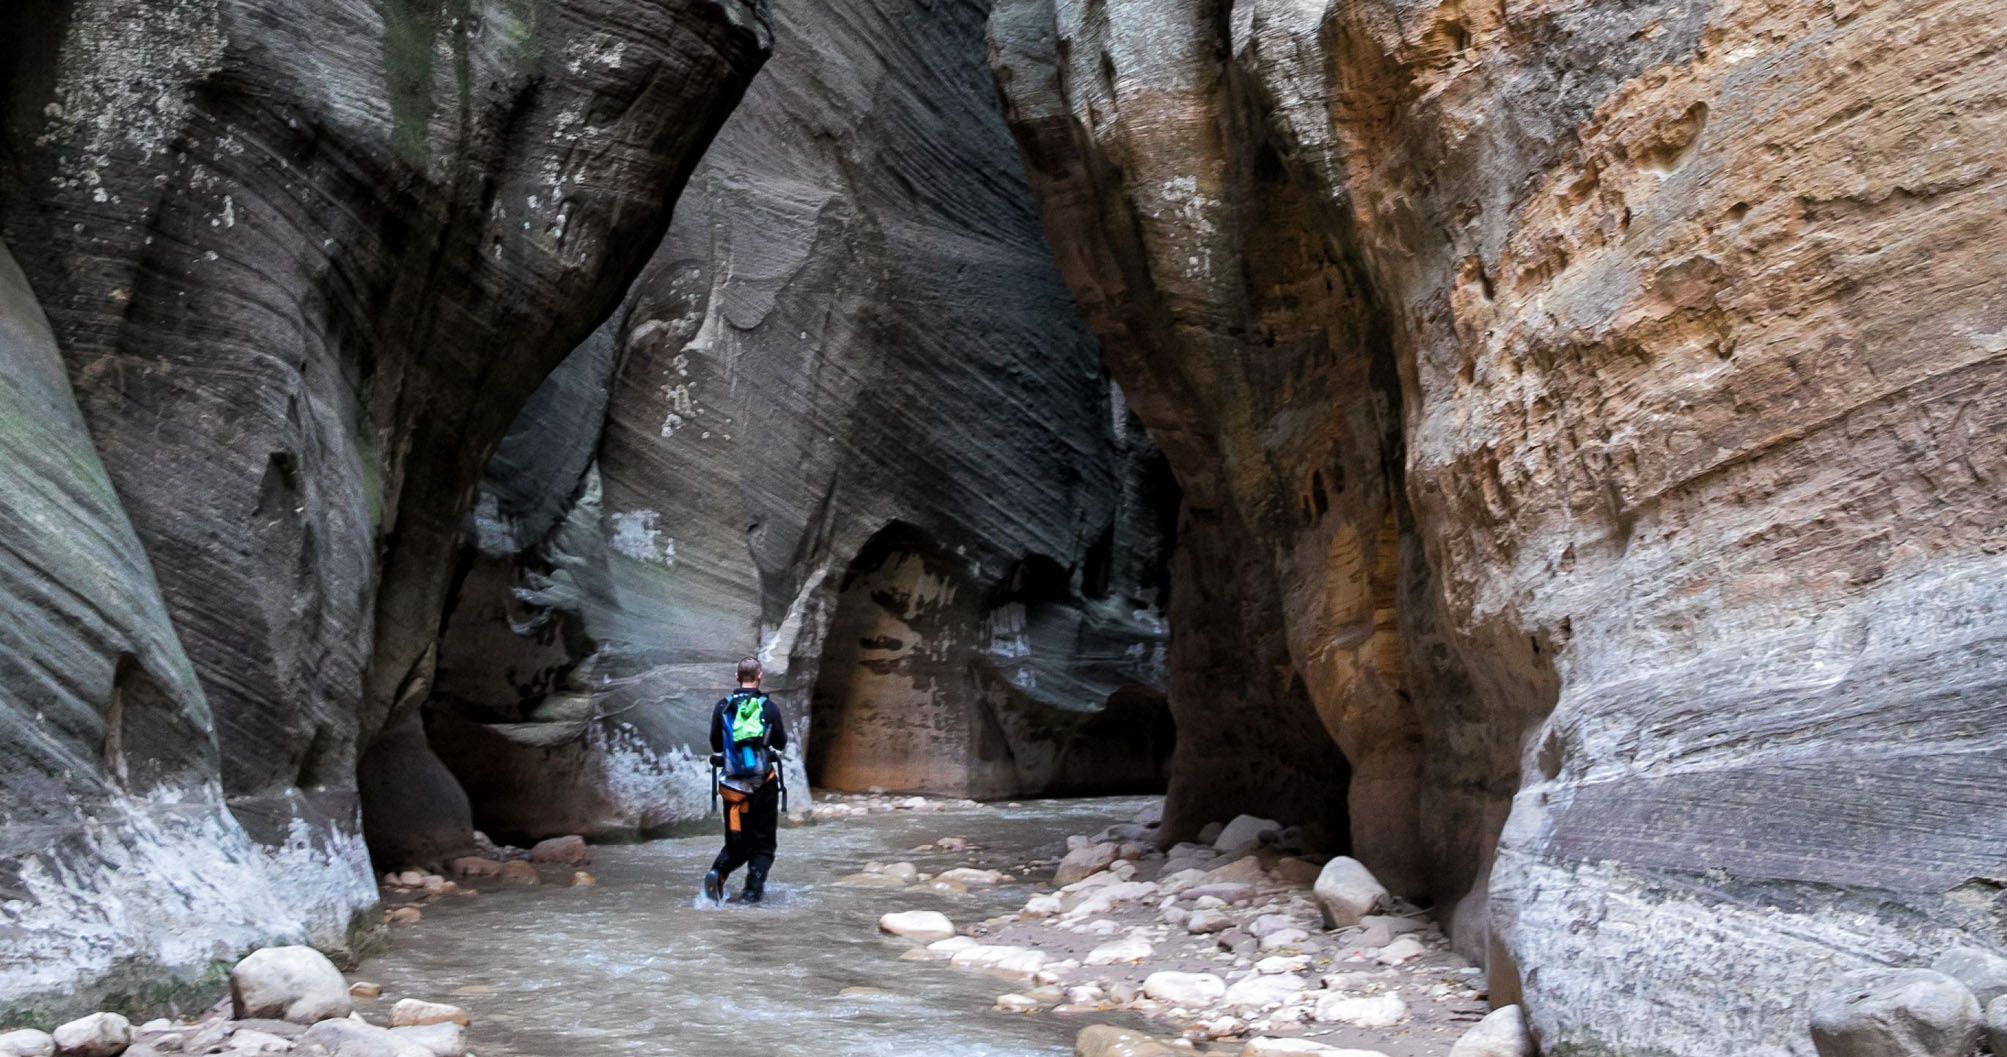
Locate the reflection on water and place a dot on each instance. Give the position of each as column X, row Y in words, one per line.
column 640, row 965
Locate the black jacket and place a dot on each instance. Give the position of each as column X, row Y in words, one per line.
column 719, row 724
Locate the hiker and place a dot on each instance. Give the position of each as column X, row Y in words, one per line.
column 747, row 736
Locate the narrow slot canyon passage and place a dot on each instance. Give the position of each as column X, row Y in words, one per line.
column 1271, row 527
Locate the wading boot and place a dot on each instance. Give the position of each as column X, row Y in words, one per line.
column 714, row 886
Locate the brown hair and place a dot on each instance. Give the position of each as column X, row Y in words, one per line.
column 749, row 670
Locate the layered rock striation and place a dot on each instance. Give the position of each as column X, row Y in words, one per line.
column 1656, row 342
column 303, row 263
column 847, row 421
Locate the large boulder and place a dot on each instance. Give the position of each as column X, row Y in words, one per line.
column 297, row 984
column 97, row 1035
column 1244, row 829
column 1346, row 892
column 1983, row 972
column 1896, row 1013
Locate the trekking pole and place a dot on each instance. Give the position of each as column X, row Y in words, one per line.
column 714, row 783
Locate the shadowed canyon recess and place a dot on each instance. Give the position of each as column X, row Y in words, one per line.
column 1547, row 456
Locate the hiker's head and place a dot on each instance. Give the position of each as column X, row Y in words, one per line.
column 749, row 672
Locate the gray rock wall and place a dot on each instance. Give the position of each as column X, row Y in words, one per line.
column 1685, row 661
column 303, row 262
column 121, row 871
column 854, row 327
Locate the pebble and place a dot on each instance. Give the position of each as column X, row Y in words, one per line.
column 1103, row 1040
column 1270, row 1047
column 475, row 866
column 1085, row 861
column 413, row 1012
column 1129, row 949
column 1191, row 990
column 1502, row 1033
column 1263, row 992
column 365, row 989
column 973, row 877
column 516, row 871
column 1283, row 939
column 1378, row 1011
column 569, row 850
column 1401, row 950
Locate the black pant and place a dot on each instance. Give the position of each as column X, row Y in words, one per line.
column 751, row 833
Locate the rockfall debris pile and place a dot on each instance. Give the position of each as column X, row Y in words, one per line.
column 283, row 1000
column 1248, row 939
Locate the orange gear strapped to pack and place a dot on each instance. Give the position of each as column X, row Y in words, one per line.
column 736, row 801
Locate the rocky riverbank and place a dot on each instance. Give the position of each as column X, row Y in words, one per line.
column 1250, row 941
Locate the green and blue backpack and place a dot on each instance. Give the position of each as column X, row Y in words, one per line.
column 748, row 756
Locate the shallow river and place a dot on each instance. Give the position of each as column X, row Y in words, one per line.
column 639, row 965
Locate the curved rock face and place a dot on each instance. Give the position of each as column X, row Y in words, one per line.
column 121, row 869
column 853, row 332
column 1683, row 439
column 305, row 261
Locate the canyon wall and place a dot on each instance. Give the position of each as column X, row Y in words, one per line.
column 1604, row 405
column 303, row 263
column 847, row 420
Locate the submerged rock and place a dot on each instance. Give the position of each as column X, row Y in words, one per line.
column 568, row 850
column 1083, row 862
column 918, row 924
column 1102, row 1040
column 413, row 1012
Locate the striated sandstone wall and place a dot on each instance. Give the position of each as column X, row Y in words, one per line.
column 303, row 263
column 847, row 420
column 1690, row 436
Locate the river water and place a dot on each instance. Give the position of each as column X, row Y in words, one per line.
column 639, row 965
